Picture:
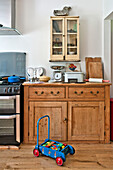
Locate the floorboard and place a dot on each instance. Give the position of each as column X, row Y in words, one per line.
column 87, row 156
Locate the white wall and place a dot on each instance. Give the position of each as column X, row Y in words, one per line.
column 112, row 58
column 107, row 50
column 33, row 18
column 108, row 42
column 108, row 7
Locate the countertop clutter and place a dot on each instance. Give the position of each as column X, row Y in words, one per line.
column 78, row 112
column 70, row 73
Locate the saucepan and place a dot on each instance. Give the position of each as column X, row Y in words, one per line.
column 14, row 79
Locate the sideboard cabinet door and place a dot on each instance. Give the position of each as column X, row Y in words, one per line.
column 86, row 121
column 58, row 120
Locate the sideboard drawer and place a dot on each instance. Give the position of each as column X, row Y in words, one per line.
column 85, row 92
column 46, row 92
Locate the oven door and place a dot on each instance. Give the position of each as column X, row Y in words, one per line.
column 10, row 120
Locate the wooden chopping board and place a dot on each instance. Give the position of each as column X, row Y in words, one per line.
column 95, row 70
column 90, row 59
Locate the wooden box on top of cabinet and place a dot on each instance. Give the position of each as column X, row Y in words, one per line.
column 78, row 112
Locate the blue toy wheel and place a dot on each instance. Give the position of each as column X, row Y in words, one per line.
column 72, row 151
column 59, row 161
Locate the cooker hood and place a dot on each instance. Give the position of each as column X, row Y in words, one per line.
column 7, row 17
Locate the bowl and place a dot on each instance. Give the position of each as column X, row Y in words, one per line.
column 56, row 67
column 44, row 78
column 71, row 52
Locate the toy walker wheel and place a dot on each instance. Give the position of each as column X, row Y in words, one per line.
column 72, row 151
column 59, row 161
column 36, row 152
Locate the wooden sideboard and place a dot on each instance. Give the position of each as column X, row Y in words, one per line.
column 78, row 112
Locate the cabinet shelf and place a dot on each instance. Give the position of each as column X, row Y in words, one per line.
column 57, row 47
column 64, row 60
column 72, row 47
column 70, row 33
column 57, row 33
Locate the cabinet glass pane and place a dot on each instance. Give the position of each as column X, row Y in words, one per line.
column 71, row 37
column 57, row 38
column 57, row 51
column 72, row 51
column 57, row 26
column 57, row 44
column 72, row 26
column 57, row 41
column 72, row 44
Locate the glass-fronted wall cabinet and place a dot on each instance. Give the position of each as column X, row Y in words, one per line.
column 64, row 38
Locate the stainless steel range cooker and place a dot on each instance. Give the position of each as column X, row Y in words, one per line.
column 11, row 100
column 10, row 114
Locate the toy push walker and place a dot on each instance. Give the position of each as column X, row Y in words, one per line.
column 52, row 148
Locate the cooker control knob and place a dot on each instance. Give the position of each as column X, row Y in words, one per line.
column 5, row 90
column 12, row 89
column 16, row 89
column 9, row 90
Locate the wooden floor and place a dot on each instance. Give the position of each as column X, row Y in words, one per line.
column 87, row 156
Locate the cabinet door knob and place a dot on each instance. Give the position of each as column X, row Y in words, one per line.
column 35, row 92
column 97, row 92
column 65, row 119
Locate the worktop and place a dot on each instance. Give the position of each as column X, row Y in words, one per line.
column 65, row 84
column 79, row 112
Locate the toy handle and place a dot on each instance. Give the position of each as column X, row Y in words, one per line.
column 38, row 128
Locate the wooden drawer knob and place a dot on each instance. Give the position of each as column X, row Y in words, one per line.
column 79, row 93
column 58, row 92
column 55, row 94
column 42, row 92
column 94, row 93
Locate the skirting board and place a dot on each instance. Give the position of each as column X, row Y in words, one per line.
column 11, row 147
